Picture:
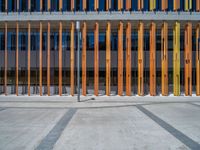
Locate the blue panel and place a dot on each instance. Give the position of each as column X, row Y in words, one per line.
column 146, row 5
column 90, row 5
column 44, row 5
column 90, row 41
column 54, row 5
column 2, row 41
column 35, row 45
column 11, row 41
column 23, row 41
column 114, row 5
column 66, row 41
column 171, row 5
column 102, row 41
column 2, row 5
column 194, row 5
column 35, row 5
column 66, row 5
column 102, row 5
column 12, row 6
column 181, row 5
column 134, row 5
column 78, row 5
column 23, row 5
column 44, row 41
column 114, row 41
column 158, row 5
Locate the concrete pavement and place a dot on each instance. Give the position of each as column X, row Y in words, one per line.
column 105, row 123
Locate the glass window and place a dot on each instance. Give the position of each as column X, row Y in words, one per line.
column 2, row 6
column 12, row 6
column 66, row 5
column 11, row 41
column 90, row 5
column 146, row 40
column 54, row 41
column 182, row 39
column 23, row 5
column 114, row 5
column 23, row 41
column 2, row 41
column 54, row 5
column 182, row 5
column 78, row 5
column 102, row 5
column 44, row 41
column 66, row 41
column 35, row 5
column 158, row 40
column 158, row 5
column 170, row 40
column 102, row 41
column 90, row 41
column 134, row 5
column 44, row 5
column 146, row 5
column 134, row 40
column 170, row 5
column 35, row 37
column 194, row 5
column 114, row 41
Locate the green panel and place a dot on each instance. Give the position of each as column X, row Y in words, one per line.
column 176, row 58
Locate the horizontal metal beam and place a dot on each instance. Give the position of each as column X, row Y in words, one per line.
column 100, row 16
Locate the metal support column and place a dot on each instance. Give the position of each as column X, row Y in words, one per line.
column 40, row 59
column 198, row 60
column 48, row 58
column 60, row 58
column 29, row 58
column 17, row 57
column 6, row 59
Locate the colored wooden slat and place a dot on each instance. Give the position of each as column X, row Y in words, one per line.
column 48, row 58
column 128, row 59
column 108, row 58
column 197, row 5
column 60, row 5
column 128, row 5
column 108, row 5
column 60, row 58
column 17, row 57
column 29, row 58
column 49, row 5
column 164, row 58
column 96, row 59
column 188, row 59
column 140, row 4
column 72, row 5
column 164, row 5
column 120, row 59
column 152, row 5
column 176, row 5
column 6, row 5
column 152, row 58
column 6, row 59
column 84, row 54
column 72, row 60
column 84, row 5
column 120, row 4
column 140, row 59
column 29, row 5
column 96, row 5
column 41, row 5
column 198, row 60
column 17, row 5
column 176, row 59
column 40, row 59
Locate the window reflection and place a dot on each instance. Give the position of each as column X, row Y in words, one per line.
column 23, row 5
column 12, row 5
column 90, row 5
column 90, row 41
column 2, row 5
column 35, row 5
column 134, row 5
column 102, row 5
column 66, row 5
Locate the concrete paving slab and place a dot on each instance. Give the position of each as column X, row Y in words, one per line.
column 115, row 129
column 24, row 129
column 183, row 117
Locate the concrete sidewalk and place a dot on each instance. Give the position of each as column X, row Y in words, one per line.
column 106, row 123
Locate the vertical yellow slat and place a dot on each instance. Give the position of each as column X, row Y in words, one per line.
column 6, row 59
column 96, row 59
column 17, row 56
column 140, row 59
column 72, row 60
column 108, row 57
column 84, row 54
column 120, row 59
column 128, row 59
column 152, row 59
column 164, row 58
column 176, row 58
column 40, row 58
column 60, row 58
column 29, row 58
column 152, row 4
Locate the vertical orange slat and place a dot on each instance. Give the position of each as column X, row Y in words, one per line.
column 17, row 56
column 140, row 4
column 96, row 59
column 120, row 59
column 41, row 5
column 152, row 59
column 40, row 58
column 108, row 57
column 6, row 59
column 72, row 5
column 164, row 5
column 84, row 5
column 128, row 4
column 84, row 72
column 29, row 5
column 198, row 5
column 198, row 60
column 164, row 58
column 72, row 60
column 140, row 59
column 176, row 5
column 128, row 59
column 120, row 4
column 49, row 5
column 29, row 58
column 188, row 59
column 48, row 59
column 60, row 5
column 96, row 5
column 60, row 58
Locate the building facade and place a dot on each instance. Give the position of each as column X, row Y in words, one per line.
column 128, row 47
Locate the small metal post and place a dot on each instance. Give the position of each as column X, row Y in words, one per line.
column 78, row 59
